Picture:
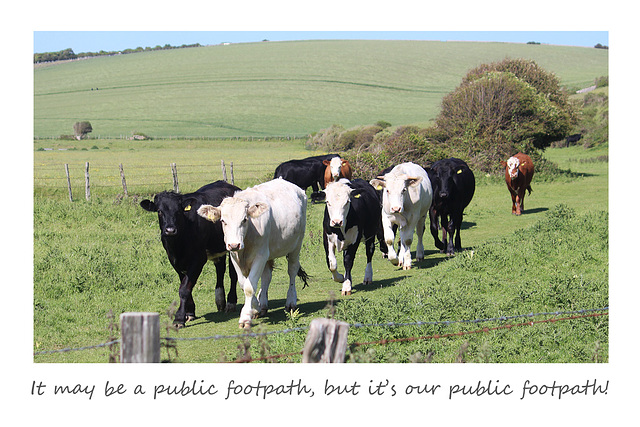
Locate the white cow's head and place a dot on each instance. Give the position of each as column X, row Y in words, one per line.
column 395, row 190
column 338, row 196
column 512, row 165
column 234, row 214
column 334, row 166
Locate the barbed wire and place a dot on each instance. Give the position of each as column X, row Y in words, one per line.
column 361, row 325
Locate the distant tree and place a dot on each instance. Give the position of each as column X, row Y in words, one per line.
column 81, row 129
column 600, row 46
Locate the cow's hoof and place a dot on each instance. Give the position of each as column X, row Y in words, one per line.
column 178, row 325
column 345, row 293
column 229, row 308
column 191, row 317
column 394, row 261
column 262, row 313
column 245, row 325
column 221, row 307
column 406, row 267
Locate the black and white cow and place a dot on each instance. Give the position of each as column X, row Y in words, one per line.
column 352, row 212
column 453, row 185
column 191, row 240
column 304, row 173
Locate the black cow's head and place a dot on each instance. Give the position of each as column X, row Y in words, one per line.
column 443, row 183
column 174, row 210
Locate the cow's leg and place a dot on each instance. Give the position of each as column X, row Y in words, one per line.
column 514, row 195
column 232, row 296
column 349, row 257
column 457, row 224
column 433, row 216
column 221, row 268
column 370, row 247
column 420, row 233
column 249, row 286
column 263, row 294
column 330, row 246
column 293, row 259
column 519, row 207
column 187, row 308
column 451, row 232
column 389, row 237
column 406, row 238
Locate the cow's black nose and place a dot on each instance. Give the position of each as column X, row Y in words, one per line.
column 170, row 231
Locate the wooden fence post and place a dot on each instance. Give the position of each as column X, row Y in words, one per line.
column 140, row 341
column 174, row 172
column 66, row 169
column 326, row 341
column 87, row 188
column 124, row 181
column 232, row 179
column 224, row 171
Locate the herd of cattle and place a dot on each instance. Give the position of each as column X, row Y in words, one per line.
column 257, row 225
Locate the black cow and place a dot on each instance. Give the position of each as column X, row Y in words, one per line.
column 191, row 240
column 304, row 173
column 453, row 185
column 352, row 212
column 573, row 138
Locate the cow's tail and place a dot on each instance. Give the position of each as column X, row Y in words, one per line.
column 529, row 189
column 304, row 276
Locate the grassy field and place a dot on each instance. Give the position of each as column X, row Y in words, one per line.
column 284, row 88
column 91, row 258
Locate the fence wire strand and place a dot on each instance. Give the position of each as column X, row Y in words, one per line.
column 577, row 314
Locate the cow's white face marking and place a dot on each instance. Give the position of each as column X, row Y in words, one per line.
column 396, row 190
column 338, row 203
column 234, row 214
column 335, row 164
column 513, row 164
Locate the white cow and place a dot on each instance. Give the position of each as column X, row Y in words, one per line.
column 260, row 224
column 406, row 199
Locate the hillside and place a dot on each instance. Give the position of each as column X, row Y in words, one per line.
column 284, row 88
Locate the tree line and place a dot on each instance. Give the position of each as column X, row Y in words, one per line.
column 67, row 54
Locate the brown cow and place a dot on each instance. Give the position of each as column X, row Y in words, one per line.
column 518, row 173
column 336, row 168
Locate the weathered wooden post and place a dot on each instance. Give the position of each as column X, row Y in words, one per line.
column 174, row 172
column 232, row 179
column 124, row 181
column 326, row 341
column 87, row 187
column 224, row 171
column 66, row 169
column 140, row 341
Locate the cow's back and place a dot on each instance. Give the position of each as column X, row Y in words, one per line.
column 285, row 224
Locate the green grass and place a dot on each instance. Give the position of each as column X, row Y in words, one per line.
column 91, row 258
column 283, row 88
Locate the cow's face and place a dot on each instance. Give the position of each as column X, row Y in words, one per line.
column 395, row 190
column 172, row 211
column 338, row 196
column 512, row 166
column 235, row 215
column 334, row 166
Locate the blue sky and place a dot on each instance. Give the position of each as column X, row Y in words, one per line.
column 94, row 41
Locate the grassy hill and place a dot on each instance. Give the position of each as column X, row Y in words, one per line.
column 283, row 88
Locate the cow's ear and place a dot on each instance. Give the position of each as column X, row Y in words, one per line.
column 377, row 183
column 148, row 205
column 188, row 204
column 503, row 163
column 355, row 194
column 257, row 209
column 209, row 212
column 413, row 180
column 326, row 162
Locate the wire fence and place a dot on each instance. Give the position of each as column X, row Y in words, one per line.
column 556, row 316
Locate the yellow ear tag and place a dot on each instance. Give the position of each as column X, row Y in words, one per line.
column 357, row 196
column 379, row 187
column 459, row 172
column 187, row 209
